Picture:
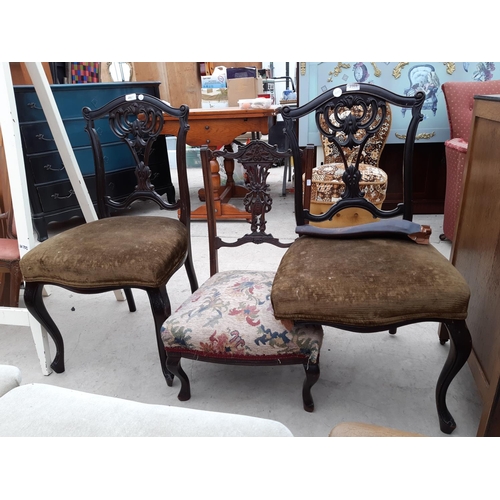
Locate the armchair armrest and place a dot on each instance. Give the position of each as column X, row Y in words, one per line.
column 10, row 378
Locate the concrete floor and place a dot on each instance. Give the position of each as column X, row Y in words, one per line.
column 375, row 378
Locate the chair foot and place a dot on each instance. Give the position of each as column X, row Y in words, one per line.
column 174, row 366
column 312, row 376
column 442, row 237
column 447, row 426
column 393, row 331
column 169, row 376
column 34, row 303
column 460, row 348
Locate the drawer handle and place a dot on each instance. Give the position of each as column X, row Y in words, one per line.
column 154, row 176
column 41, row 137
column 32, row 105
column 49, row 167
column 57, row 197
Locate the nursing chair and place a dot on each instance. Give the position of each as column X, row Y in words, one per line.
column 119, row 252
column 371, row 277
column 10, row 272
column 327, row 185
column 229, row 319
column 459, row 97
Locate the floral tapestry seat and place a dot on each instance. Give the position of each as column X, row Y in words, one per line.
column 230, row 318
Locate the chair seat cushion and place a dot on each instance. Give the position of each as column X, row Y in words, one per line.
column 457, row 143
column 369, row 282
column 133, row 250
column 230, row 316
column 9, row 250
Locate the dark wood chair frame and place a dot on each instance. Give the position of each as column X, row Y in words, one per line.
column 138, row 122
column 257, row 157
column 369, row 97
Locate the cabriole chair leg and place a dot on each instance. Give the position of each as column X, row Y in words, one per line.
column 460, row 348
column 174, row 365
column 35, row 305
column 312, row 376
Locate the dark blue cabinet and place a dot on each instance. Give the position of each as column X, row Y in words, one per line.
column 50, row 193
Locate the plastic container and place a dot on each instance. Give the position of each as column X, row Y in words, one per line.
column 245, row 103
column 259, row 102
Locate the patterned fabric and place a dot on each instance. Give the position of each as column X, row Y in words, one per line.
column 85, row 72
column 328, row 186
column 231, row 315
column 372, row 150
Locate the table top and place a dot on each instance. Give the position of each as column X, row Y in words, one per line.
column 233, row 112
column 219, row 126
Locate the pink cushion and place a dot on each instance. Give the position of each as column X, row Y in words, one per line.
column 458, row 143
column 9, row 250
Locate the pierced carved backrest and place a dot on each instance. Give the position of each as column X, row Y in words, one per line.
column 257, row 157
column 350, row 117
column 373, row 148
column 137, row 121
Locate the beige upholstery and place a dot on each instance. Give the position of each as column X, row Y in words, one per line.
column 40, row 410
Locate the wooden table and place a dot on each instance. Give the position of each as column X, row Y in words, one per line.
column 217, row 127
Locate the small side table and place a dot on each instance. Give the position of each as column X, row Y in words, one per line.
column 215, row 128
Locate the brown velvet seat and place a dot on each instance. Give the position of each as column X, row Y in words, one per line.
column 376, row 276
column 127, row 240
column 126, row 251
column 368, row 283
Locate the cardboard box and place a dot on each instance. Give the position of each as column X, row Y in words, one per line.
column 243, row 88
column 214, row 98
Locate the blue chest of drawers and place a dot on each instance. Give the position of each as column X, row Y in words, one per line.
column 50, row 193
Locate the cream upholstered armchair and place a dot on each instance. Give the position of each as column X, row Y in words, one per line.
column 459, row 98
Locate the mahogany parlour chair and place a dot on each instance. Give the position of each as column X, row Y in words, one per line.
column 10, row 272
column 229, row 319
column 327, row 185
column 119, row 252
column 377, row 276
column 459, row 97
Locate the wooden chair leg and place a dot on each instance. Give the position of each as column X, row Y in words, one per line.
column 16, row 279
column 35, row 305
column 193, row 281
column 312, row 376
column 174, row 365
column 160, row 306
column 130, row 300
column 460, row 348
